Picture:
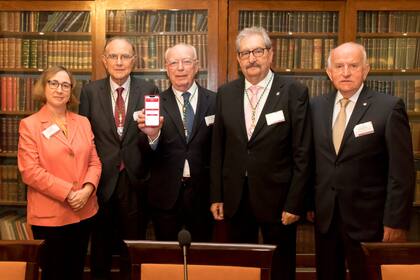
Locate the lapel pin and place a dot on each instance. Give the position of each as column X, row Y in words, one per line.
column 364, row 104
column 278, row 93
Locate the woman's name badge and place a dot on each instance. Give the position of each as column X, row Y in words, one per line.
column 50, row 131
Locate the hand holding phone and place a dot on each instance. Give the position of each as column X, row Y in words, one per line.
column 151, row 110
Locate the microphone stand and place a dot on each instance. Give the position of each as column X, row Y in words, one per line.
column 184, row 250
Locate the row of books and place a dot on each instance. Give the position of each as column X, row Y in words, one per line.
column 316, row 87
column 156, row 21
column 392, row 53
column 12, row 189
column 407, row 90
column 301, row 53
column 34, row 21
column 16, row 94
column 9, row 128
column 40, row 54
column 417, row 191
column 290, row 21
column 388, row 21
column 415, row 136
column 151, row 49
column 13, row 226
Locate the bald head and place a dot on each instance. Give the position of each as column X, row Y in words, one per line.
column 348, row 68
column 349, row 46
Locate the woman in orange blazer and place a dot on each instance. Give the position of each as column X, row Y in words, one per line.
column 58, row 162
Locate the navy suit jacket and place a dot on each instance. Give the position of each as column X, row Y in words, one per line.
column 371, row 180
column 132, row 148
column 275, row 159
column 172, row 150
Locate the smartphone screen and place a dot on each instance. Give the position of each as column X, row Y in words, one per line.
column 151, row 110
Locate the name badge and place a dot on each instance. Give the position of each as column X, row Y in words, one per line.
column 363, row 129
column 50, row 131
column 275, row 117
column 209, row 120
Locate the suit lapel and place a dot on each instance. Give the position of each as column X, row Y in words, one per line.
column 133, row 100
column 328, row 115
column 359, row 110
column 72, row 127
column 201, row 110
column 104, row 94
column 45, row 117
column 169, row 104
column 269, row 106
column 238, row 110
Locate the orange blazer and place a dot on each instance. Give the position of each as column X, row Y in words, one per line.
column 52, row 166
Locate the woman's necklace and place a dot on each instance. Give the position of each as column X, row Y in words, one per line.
column 61, row 124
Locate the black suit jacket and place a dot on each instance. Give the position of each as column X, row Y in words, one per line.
column 372, row 177
column 172, row 150
column 96, row 105
column 276, row 158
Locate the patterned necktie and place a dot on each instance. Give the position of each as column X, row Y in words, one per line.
column 188, row 115
column 340, row 125
column 119, row 112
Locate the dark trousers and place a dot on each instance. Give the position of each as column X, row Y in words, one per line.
column 122, row 217
column 243, row 227
column 190, row 212
column 64, row 251
column 334, row 249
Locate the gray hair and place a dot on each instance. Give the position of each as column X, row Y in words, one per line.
column 181, row 44
column 361, row 47
column 108, row 41
column 254, row 30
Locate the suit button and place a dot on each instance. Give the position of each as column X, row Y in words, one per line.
column 332, row 188
column 71, row 153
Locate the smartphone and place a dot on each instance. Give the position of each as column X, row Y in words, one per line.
column 151, row 110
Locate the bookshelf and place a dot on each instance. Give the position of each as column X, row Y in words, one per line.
column 390, row 32
column 31, row 40
column 302, row 34
column 153, row 26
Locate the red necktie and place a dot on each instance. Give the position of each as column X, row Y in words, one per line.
column 119, row 112
column 119, row 115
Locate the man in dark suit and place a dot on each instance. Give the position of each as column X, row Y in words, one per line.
column 364, row 177
column 260, row 153
column 122, row 147
column 179, row 182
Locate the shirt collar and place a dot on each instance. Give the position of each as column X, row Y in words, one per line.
column 353, row 98
column 191, row 90
column 114, row 85
column 262, row 83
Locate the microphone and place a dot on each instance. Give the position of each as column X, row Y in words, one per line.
column 184, row 239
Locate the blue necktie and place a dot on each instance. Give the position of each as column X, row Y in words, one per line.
column 188, row 115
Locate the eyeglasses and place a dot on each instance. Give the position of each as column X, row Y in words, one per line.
column 54, row 84
column 258, row 52
column 185, row 62
column 122, row 57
